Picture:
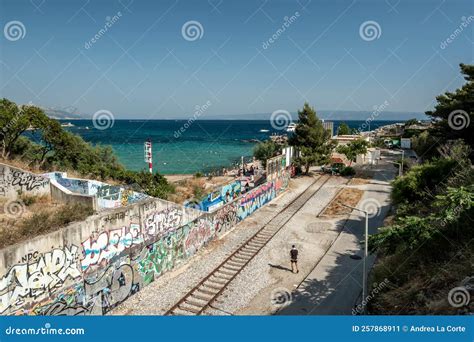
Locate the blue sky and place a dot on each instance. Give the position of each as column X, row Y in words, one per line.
column 143, row 67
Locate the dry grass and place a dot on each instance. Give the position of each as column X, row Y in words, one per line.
column 196, row 187
column 348, row 196
column 39, row 218
column 359, row 181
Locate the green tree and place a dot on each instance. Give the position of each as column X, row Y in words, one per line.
column 343, row 129
column 264, row 151
column 354, row 148
column 454, row 112
column 14, row 121
column 49, row 133
column 311, row 139
column 424, row 144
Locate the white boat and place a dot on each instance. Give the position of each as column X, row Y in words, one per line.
column 291, row 127
column 67, row 124
column 264, row 130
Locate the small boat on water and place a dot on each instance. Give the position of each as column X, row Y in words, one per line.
column 264, row 130
column 67, row 124
column 291, row 127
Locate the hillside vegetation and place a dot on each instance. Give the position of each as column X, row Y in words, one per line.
column 427, row 254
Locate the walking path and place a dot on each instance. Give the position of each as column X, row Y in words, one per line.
column 334, row 286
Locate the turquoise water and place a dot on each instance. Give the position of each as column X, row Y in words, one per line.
column 204, row 146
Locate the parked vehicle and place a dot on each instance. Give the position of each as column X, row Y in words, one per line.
column 335, row 168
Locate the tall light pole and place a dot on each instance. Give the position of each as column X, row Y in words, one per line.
column 401, row 168
column 366, row 253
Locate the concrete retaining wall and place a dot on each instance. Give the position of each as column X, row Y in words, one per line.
column 15, row 181
column 92, row 266
column 60, row 194
column 108, row 196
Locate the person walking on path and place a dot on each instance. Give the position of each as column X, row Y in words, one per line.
column 294, row 259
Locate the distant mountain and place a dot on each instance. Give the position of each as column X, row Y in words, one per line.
column 329, row 115
column 63, row 114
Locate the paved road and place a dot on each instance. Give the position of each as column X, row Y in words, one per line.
column 335, row 284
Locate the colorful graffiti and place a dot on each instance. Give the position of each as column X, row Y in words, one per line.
column 114, row 286
column 108, row 196
column 255, row 199
column 225, row 218
column 109, row 245
column 162, row 255
column 200, row 232
column 33, row 281
column 128, row 250
column 217, row 198
column 78, row 186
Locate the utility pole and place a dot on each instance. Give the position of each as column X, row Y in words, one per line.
column 366, row 253
column 401, row 166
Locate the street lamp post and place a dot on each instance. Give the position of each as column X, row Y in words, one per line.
column 400, row 173
column 366, row 253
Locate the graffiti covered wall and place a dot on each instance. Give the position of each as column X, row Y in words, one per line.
column 218, row 197
column 14, row 181
column 90, row 267
column 108, row 196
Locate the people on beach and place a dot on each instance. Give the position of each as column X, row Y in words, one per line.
column 294, row 259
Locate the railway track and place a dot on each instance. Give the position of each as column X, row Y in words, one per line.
column 201, row 297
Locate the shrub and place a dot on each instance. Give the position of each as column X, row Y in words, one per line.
column 42, row 222
column 348, row 171
column 28, row 200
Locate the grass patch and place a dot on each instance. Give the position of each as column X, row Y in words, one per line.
column 41, row 222
column 348, row 196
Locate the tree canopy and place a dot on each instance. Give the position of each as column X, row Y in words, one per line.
column 353, row 149
column 343, row 129
column 264, row 151
column 311, row 139
column 454, row 113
